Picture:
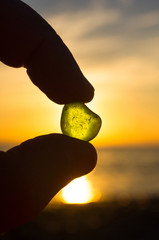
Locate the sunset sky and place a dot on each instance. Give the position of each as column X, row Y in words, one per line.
column 116, row 44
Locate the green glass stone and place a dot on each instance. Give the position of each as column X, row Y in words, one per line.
column 78, row 121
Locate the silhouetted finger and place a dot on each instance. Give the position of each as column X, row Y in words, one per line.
column 28, row 40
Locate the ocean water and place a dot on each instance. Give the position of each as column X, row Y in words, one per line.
column 127, row 173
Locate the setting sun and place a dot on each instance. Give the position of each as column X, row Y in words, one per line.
column 78, row 191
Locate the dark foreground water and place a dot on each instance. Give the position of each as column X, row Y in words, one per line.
column 137, row 221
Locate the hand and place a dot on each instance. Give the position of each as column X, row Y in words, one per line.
column 33, row 172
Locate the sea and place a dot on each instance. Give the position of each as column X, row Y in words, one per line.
column 126, row 173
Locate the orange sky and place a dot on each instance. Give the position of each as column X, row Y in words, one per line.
column 123, row 70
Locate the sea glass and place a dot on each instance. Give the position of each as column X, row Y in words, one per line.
column 78, row 121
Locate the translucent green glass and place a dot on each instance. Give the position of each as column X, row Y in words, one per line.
column 78, row 121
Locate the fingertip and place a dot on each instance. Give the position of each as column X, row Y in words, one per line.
column 81, row 155
column 89, row 93
column 28, row 40
column 58, row 75
column 89, row 157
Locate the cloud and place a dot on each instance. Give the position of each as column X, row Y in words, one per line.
column 80, row 31
column 126, row 2
column 112, row 47
column 144, row 20
column 82, row 22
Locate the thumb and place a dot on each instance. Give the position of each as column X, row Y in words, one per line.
column 36, row 170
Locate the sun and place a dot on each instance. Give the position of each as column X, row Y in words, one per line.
column 78, row 191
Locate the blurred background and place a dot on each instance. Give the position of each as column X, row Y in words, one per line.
column 115, row 43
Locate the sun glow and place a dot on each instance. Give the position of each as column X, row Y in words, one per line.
column 78, row 191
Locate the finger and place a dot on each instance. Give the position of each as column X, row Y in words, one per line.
column 36, row 170
column 28, row 40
